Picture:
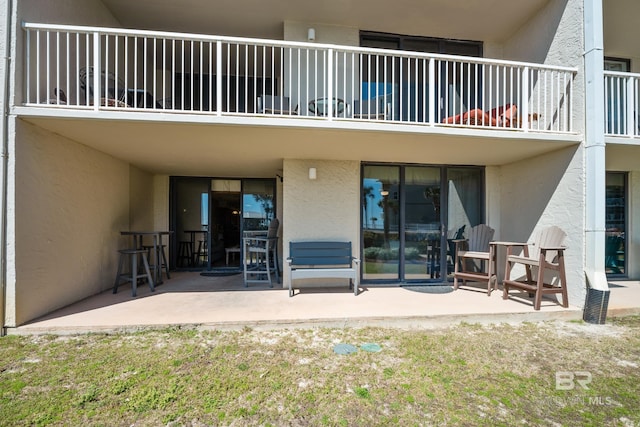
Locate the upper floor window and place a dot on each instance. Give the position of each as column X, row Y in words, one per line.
column 421, row 44
column 617, row 64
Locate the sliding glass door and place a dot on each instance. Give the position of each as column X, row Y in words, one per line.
column 616, row 224
column 410, row 217
column 209, row 216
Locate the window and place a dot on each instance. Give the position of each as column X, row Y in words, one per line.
column 421, row 44
column 400, row 84
column 617, row 64
column 616, row 220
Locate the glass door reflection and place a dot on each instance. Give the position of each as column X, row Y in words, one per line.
column 411, row 216
column 380, row 222
column 422, row 225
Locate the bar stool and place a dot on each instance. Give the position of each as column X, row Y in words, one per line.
column 133, row 275
column 184, row 253
column 160, row 258
column 201, row 255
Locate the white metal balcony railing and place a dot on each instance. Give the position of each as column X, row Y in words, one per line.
column 622, row 102
column 198, row 74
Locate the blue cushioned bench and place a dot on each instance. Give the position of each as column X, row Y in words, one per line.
column 320, row 260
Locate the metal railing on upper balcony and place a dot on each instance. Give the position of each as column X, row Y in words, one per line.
column 133, row 70
column 622, row 102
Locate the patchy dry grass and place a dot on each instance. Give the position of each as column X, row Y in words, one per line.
column 464, row 375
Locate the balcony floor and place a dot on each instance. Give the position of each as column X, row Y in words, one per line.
column 224, row 303
column 174, row 144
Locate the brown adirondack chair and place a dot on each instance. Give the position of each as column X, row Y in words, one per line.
column 546, row 253
column 471, row 255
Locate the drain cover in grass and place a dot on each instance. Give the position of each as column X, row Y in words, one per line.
column 371, row 347
column 344, row 349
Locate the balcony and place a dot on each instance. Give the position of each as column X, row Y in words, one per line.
column 115, row 70
column 622, row 102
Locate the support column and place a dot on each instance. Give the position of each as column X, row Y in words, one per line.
column 595, row 309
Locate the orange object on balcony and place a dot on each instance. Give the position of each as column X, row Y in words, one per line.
column 500, row 116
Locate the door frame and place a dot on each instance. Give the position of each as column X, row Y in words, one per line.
column 444, row 218
column 173, row 241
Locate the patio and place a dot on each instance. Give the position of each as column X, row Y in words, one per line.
column 224, row 303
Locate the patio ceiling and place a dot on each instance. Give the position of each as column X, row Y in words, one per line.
column 486, row 20
column 257, row 149
column 621, row 29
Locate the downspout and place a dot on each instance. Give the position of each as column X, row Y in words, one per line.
column 6, row 96
column 595, row 309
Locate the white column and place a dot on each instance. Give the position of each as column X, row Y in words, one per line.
column 594, row 146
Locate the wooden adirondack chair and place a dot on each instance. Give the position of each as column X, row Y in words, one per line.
column 475, row 248
column 547, row 253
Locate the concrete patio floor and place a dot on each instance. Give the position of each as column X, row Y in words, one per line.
column 189, row 298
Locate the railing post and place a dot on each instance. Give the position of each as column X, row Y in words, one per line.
column 330, row 84
column 630, row 107
column 96, row 71
column 525, row 100
column 432, row 91
column 28, row 67
column 219, row 78
column 569, row 104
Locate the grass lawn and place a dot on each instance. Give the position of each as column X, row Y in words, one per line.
column 556, row 373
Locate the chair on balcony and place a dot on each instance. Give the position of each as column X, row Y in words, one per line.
column 372, row 109
column 472, row 253
column 320, row 107
column 260, row 257
column 547, row 253
column 109, row 98
column 269, row 104
column 59, row 98
column 116, row 94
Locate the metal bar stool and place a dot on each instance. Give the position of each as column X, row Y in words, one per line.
column 133, row 275
column 185, row 257
column 160, row 260
column 201, row 255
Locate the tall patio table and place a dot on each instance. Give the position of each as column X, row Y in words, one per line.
column 137, row 238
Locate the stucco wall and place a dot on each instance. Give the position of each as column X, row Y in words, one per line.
column 493, row 214
column 326, row 34
column 544, row 191
column 326, row 208
column 554, row 37
column 160, row 202
column 298, row 31
column 141, row 188
column 71, row 203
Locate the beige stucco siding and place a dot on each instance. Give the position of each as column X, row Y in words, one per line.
column 326, row 208
column 544, row 191
column 72, row 203
column 140, row 183
column 554, row 36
